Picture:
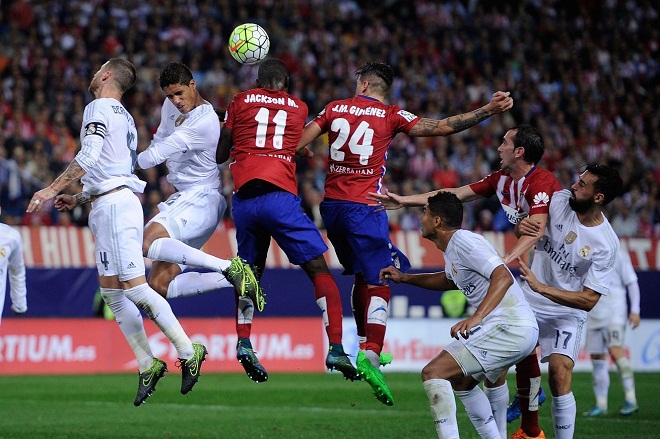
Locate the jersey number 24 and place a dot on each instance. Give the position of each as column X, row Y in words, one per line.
column 359, row 142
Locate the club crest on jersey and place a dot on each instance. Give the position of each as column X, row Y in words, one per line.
column 454, row 271
column 95, row 128
column 179, row 120
column 3, row 252
column 584, row 252
column 570, row 238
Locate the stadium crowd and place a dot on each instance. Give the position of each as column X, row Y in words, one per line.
column 586, row 73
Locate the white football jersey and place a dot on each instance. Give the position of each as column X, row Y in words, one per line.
column 187, row 143
column 571, row 256
column 613, row 308
column 469, row 262
column 113, row 165
column 11, row 259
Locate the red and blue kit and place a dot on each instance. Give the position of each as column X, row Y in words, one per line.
column 266, row 128
column 360, row 130
column 528, row 196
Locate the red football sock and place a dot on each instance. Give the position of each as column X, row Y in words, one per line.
column 359, row 298
column 527, row 369
column 376, row 331
column 325, row 286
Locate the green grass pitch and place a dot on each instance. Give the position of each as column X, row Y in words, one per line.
column 287, row 406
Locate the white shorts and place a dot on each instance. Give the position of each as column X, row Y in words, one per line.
column 492, row 349
column 117, row 223
column 559, row 335
column 191, row 216
column 600, row 339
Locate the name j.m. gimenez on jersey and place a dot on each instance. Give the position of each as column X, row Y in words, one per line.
column 358, row 111
column 264, row 99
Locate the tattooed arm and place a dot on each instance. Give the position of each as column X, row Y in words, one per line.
column 72, row 173
column 500, row 103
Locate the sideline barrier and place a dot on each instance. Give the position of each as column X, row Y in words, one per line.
column 414, row 342
column 62, row 279
column 73, row 247
column 83, row 346
column 76, row 346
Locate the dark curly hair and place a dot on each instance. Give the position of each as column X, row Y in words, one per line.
column 609, row 181
column 175, row 73
column 447, row 206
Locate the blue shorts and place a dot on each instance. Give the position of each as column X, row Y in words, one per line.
column 361, row 237
column 278, row 215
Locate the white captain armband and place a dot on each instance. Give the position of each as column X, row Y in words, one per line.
column 97, row 128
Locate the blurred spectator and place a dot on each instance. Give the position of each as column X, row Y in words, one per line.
column 585, row 73
column 625, row 222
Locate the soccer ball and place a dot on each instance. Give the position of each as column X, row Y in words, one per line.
column 249, row 43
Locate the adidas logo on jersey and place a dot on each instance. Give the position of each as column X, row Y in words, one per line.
column 130, row 265
column 483, row 353
column 559, row 227
column 184, row 222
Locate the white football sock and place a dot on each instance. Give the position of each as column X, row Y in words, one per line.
column 601, row 382
column 533, row 398
column 157, row 308
column 627, row 379
column 322, row 303
column 245, row 310
column 131, row 324
column 176, row 252
column 443, row 408
column 564, row 410
column 478, row 409
column 373, row 358
column 192, row 283
column 499, row 399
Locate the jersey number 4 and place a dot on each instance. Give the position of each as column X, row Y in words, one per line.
column 359, row 142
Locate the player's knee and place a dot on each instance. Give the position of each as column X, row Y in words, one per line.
column 434, row 371
column 500, row 381
column 146, row 244
column 315, row 267
column 560, row 377
column 381, row 291
column 427, row 373
column 111, row 295
column 159, row 284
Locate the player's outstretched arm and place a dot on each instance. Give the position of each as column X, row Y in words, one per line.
column 584, row 300
column 65, row 202
column 430, row 281
column 392, row 201
column 72, row 173
column 530, row 232
column 311, row 131
column 501, row 102
column 224, row 145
